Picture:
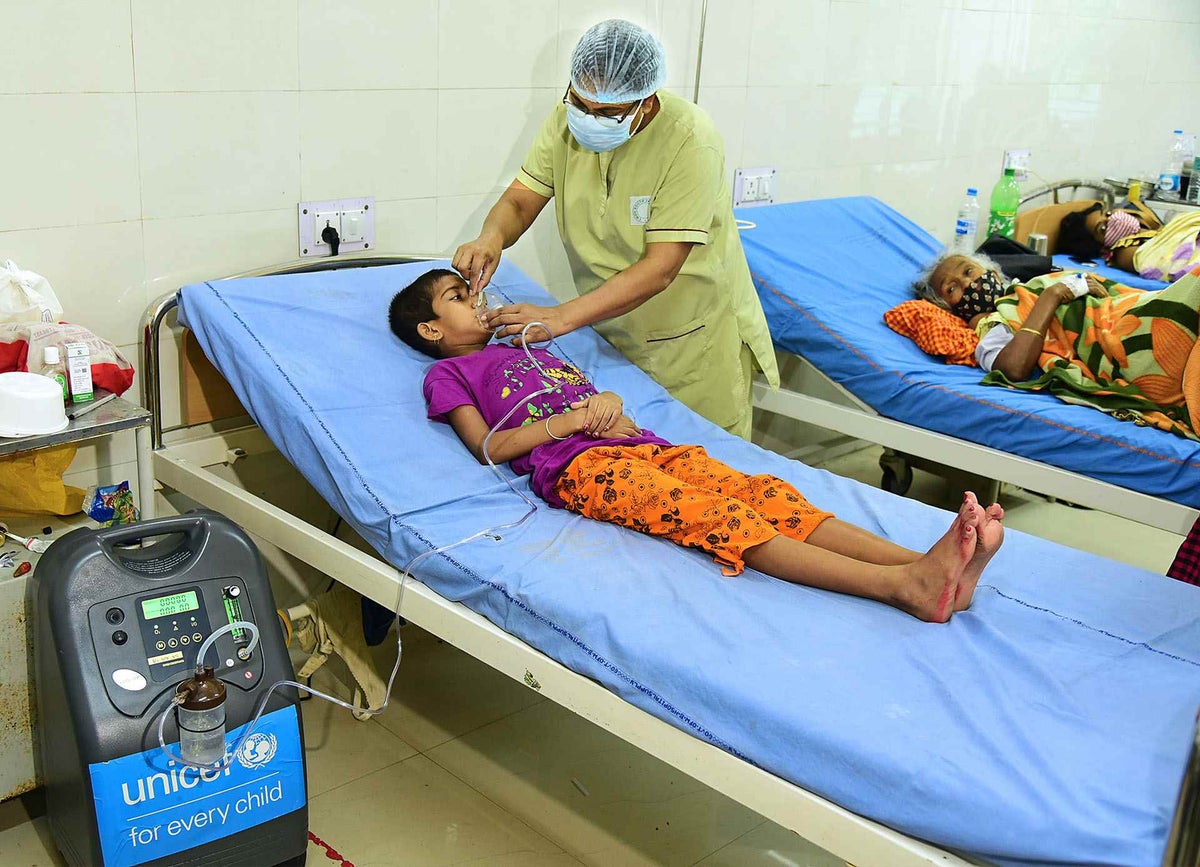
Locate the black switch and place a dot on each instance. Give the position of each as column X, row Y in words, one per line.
column 119, row 637
column 114, row 615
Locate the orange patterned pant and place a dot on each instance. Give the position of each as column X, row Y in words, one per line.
column 683, row 494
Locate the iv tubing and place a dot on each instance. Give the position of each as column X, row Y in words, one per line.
column 405, row 572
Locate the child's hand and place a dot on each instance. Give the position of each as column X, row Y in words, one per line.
column 622, row 428
column 600, row 411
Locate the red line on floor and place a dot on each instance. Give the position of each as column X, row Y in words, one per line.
column 330, row 853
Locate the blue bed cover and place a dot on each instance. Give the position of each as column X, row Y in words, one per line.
column 826, row 270
column 1067, row 263
column 1048, row 724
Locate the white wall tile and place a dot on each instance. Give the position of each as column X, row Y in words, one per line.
column 483, row 135
column 855, row 119
column 183, row 250
column 216, row 45
column 921, row 123
column 786, row 126
column 368, row 45
column 190, row 165
column 728, row 108
column 788, row 42
column 486, row 44
column 381, row 143
column 459, row 219
column 91, row 47
column 407, row 226
column 726, row 59
column 69, row 159
column 96, row 271
column 855, row 56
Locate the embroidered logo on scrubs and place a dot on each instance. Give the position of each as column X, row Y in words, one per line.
column 639, row 210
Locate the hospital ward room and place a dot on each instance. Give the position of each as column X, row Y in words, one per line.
column 645, row 433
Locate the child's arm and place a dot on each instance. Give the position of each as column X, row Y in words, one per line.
column 600, row 412
column 509, row 444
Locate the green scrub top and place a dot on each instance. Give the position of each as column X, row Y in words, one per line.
column 667, row 183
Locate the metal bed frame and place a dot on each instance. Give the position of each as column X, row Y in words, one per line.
column 183, row 465
column 855, row 418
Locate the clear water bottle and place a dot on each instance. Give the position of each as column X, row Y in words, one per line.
column 1168, row 178
column 966, row 223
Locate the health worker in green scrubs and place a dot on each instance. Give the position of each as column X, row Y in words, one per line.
column 643, row 209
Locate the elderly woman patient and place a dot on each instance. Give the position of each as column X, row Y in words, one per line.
column 1125, row 351
column 586, row 455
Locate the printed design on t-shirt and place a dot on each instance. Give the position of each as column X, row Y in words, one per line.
column 568, row 382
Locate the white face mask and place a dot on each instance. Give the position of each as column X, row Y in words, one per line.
column 600, row 134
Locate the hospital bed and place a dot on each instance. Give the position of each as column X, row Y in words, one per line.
column 827, row 270
column 1049, row 724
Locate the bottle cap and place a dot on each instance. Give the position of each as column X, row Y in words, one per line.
column 50, row 355
column 971, row 191
column 1178, row 132
column 203, row 691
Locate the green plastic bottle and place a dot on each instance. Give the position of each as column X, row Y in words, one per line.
column 1006, row 196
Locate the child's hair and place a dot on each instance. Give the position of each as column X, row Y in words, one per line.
column 413, row 305
column 1074, row 237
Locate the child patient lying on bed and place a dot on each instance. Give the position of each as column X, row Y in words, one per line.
column 584, row 454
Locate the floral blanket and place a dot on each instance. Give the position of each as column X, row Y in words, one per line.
column 1133, row 354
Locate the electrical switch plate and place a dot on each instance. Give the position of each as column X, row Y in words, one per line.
column 754, row 186
column 354, row 220
column 1019, row 159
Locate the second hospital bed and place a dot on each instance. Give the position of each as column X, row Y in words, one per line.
column 827, row 270
column 1050, row 724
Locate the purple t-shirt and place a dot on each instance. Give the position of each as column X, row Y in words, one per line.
column 498, row 376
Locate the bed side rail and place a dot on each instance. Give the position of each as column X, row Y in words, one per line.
column 1103, row 189
column 158, row 312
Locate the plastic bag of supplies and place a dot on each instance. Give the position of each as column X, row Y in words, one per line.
column 26, row 296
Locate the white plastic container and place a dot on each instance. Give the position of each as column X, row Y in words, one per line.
column 966, row 224
column 30, row 405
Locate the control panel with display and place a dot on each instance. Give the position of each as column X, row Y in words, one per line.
column 173, row 627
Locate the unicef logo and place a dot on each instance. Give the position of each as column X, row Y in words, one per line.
column 257, row 751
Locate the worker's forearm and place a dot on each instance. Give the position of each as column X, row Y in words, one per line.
column 619, row 294
column 507, row 221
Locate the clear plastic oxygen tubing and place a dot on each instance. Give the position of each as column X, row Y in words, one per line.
column 405, row 572
column 743, row 225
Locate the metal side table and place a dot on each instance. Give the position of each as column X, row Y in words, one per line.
column 113, row 417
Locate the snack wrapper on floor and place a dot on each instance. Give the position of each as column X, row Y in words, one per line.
column 111, row 505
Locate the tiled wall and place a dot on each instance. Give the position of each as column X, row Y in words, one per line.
column 148, row 143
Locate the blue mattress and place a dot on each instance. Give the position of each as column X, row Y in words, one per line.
column 1048, row 724
column 1135, row 280
column 827, row 270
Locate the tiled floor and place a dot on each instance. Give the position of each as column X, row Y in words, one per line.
column 469, row 767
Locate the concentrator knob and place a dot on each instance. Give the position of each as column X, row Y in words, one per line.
column 233, row 591
column 243, row 653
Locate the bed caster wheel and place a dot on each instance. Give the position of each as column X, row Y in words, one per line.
column 897, row 481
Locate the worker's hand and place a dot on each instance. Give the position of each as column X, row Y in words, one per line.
column 622, row 428
column 477, row 261
column 600, row 412
column 511, row 318
column 1096, row 286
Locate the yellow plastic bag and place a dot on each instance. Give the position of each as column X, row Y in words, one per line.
column 31, row 483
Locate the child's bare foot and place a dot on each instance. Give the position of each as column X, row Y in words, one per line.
column 989, row 538
column 930, row 585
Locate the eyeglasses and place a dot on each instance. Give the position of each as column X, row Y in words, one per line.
column 607, row 112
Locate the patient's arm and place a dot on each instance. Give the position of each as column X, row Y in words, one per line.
column 1017, row 360
column 1122, row 258
column 507, row 445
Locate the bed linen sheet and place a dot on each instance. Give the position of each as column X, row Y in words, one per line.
column 1047, row 725
column 1107, row 272
column 826, row 271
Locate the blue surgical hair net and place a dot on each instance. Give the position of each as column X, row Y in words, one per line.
column 618, row 61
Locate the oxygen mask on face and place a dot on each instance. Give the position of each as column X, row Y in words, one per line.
column 485, row 304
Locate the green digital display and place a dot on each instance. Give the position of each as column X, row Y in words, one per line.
column 165, row 606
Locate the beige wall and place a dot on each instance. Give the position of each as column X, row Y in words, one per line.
column 149, row 143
